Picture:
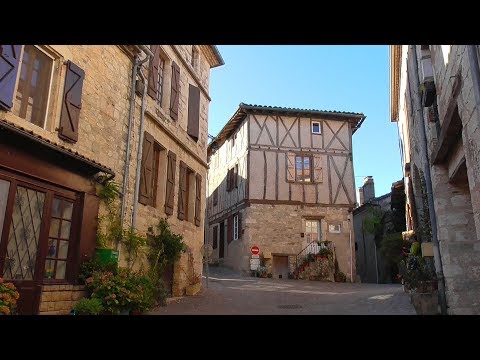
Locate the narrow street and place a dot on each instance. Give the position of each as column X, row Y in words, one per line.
column 230, row 294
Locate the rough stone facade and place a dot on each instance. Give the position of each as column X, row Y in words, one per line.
column 60, row 299
column 103, row 130
column 270, row 203
column 452, row 129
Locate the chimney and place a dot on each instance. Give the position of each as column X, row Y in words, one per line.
column 368, row 189
column 360, row 196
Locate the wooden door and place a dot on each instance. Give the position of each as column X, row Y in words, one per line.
column 280, row 267
column 23, row 216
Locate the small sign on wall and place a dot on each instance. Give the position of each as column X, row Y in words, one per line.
column 334, row 228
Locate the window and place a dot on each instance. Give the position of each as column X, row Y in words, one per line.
column 235, row 176
column 156, row 163
column 215, row 197
column 58, row 241
column 31, row 100
column 235, row 227
column 186, row 193
column 194, row 60
column 153, row 157
column 312, row 230
column 316, row 128
column 334, row 228
column 303, row 171
column 161, row 67
column 215, row 237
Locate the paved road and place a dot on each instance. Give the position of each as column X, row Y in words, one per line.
column 231, row 294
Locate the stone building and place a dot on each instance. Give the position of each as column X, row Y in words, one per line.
column 435, row 97
column 281, row 179
column 371, row 265
column 73, row 115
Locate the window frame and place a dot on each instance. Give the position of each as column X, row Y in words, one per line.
column 319, row 127
column 161, row 79
column 302, row 179
column 49, row 81
column 235, row 228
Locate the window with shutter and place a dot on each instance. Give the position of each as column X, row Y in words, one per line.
column 72, row 103
column 193, row 112
column 198, row 199
column 147, row 170
column 215, row 237
column 228, row 180
column 170, row 187
column 182, row 191
column 229, row 229
column 153, row 71
column 303, row 168
column 235, row 176
column 175, row 91
column 290, row 167
column 31, row 100
column 9, row 64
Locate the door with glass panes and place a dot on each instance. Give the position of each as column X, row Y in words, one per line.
column 36, row 227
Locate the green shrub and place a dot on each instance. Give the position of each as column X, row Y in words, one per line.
column 88, row 267
column 86, row 306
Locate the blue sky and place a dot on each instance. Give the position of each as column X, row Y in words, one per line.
column 342, row 78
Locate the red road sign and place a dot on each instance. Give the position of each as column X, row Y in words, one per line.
column 255, row 250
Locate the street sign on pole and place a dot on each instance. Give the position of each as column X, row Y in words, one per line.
column 255, row 250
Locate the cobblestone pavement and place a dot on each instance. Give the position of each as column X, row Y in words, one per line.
column 229, row 293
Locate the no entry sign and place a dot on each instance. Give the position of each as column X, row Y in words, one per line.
column 255, row 250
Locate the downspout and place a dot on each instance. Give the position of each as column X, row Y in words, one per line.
column 140, row 138
column 428, row 180
column 350, row 220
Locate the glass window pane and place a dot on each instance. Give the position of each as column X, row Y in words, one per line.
column 63, row 250
column 65, row 233
column 49, row 269
column 4, row 188
column 54, row 226
column 52, row 248
column 67, row 210
column 307, row 162
column 61, row 267
column 56, row 207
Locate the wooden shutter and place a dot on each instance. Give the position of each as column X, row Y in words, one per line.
column 193, row 111
column 215, row 197
column 235, row 176
column 182, row 190
column 290, row 167
column 146, row 171
column 228, row 180
column 215, row 237
column 153, row 71
column 198, row 199
column 175, row 91
column 169, row 193
column 72, row 103
column 239, row 225
column 317, row 168
column 229, row 229
column 9, row 60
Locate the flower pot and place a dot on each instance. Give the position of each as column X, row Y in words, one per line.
column 425, row 303
column 106, row 256
column 194, row 289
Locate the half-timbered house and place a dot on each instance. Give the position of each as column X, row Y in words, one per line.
column 282, row 179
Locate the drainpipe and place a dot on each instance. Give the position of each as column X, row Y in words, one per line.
column 428, row 180
column 140, row 138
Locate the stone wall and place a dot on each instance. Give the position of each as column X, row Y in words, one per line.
column 277, row 229
column 60, row 299
column 456, row 202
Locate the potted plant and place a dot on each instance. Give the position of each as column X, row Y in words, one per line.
column 8, row 297
column 92, row 306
